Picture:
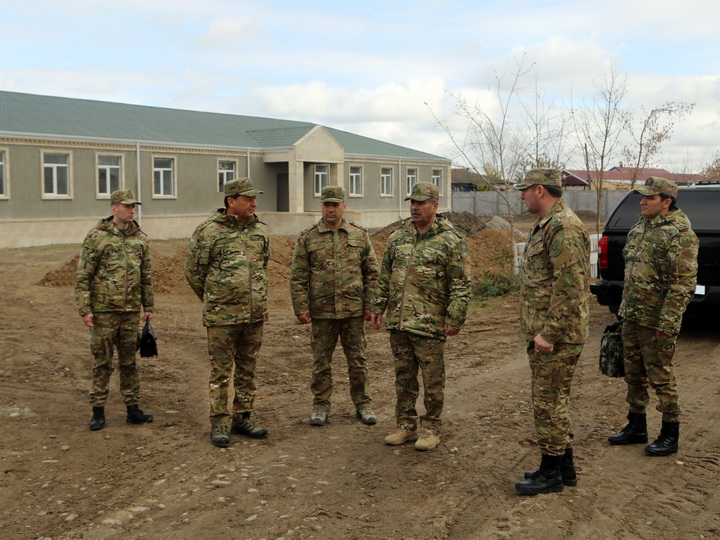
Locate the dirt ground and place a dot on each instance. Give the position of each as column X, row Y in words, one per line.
column 165, row 481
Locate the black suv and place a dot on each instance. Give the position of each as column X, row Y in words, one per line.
column 701, row 203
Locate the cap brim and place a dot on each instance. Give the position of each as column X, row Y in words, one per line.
column 129, row 202
column 419, row 198
column 333, row 200
column 520, row 187
column 646, row 192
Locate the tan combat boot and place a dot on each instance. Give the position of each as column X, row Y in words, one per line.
column 428, row 440
column 401, row 436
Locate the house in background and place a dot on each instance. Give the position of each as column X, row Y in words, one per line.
column 622, row 177
column 60, row 159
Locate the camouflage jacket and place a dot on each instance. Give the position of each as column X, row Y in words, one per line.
column 660, row 271
column 114, row 272
column 226, row 267
column 555, row 279
column 424, row 281
column 334, row 271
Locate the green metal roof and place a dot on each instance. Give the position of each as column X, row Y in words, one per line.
column 31, row 114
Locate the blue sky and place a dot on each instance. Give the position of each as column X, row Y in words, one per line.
column 382, row 69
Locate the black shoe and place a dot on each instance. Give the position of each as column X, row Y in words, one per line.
column 547, row 479
column 97, row 422
column 667, row 441
column 245, row 426
column 136, row 416
column 219, row 436
column 634, row 433
column 567, row 470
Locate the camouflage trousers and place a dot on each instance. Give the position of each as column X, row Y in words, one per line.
column 113, row 330
column 551, row 381
column 648, row 359
column 325, row 334
column 233, row 350
column 415, row 353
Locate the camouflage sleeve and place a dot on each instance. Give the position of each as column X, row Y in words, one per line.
column 197, row 262
column 370, row 273
column 683, row 267
column 570, row 256
column 86, row 268
column 146, row 290
column 382, row 288
column 300, row 277
column 460, row 285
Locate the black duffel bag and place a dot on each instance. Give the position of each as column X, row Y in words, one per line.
column 148, row 343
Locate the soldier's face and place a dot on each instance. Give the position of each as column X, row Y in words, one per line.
column 123, row 214
column 652, row 206
column 423, row 213
column 530, row 196
column 332, row 213
column 242, row 206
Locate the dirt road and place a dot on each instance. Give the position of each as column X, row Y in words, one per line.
column 164, row 480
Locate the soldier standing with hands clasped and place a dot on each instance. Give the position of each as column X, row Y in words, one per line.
column 555, row 292
column 660, row 277
column 226, row 267
column 334, row 271
column 113, row 283
column 425, row 287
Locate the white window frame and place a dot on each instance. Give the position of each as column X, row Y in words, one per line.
column 437, row 175
column 4, row 174
column 386, row 182
column 173, row 173
column 321, row 178
column 222, row 174
column 55, row 168
column 356, row 181
column 411, row 178
column 121, row 173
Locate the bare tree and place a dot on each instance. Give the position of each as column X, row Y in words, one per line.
column 598, row 127
column 649, row 131
column 712, row 170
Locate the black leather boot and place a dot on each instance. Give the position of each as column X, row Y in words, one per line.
column 97, row 422
column 547, row 479
column 136, row 416
column 567, row 469
column 634, row 433
column 667, row 441
column 242, row 425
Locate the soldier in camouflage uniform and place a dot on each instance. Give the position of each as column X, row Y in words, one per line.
column 334, row 271
column 113, row 284
column 555, row 292
column 226, row 267
column 425, row 287
column 660, row 278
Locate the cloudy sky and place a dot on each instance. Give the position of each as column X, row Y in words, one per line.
column 385, row 69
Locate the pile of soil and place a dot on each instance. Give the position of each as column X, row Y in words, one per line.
column 62, row 276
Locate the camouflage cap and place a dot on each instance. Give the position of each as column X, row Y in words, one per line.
column 541, row 177
column 123, row 196
column 422, row 191
column 241, row 186
column 656, row 186
column 332, row 194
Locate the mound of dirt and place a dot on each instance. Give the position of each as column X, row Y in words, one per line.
column 62, row 276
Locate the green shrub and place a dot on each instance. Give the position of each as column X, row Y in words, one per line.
column 494, row 285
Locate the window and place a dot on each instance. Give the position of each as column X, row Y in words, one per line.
column 56, row 175
column 437, row 178
column 411, row 179
column 386, row 184
column 356, row 181
column 226, row 173
column 321, row 178
column 109, row 168
column 3, row 176
column 163, row 177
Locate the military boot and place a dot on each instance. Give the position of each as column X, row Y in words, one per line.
column 547, row 479
column 401, row 436
column 242, row 425
column 567, row 469
column 634, row 433
column 667, row 441
column 220, row 435
column 136, row 416
column 428, row 440
column 366, row 416
column 97, row 422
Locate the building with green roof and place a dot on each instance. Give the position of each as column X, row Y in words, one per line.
column 60, row 158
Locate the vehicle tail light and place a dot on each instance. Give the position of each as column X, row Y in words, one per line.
column 603, row 253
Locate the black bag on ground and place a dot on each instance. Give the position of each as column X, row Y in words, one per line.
column 612, row 361
column 148, row 344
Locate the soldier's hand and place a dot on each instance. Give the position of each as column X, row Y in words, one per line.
column 376, row 320
column 366, row 315
column 147, row 317
column 450, row 331
column 662, row 335
column 542, row 345
column 88, row 320
column 304, row 318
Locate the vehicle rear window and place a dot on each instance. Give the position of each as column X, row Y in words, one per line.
column 700, row 205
